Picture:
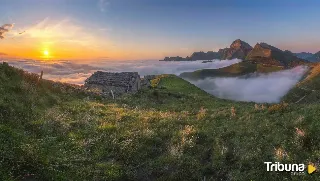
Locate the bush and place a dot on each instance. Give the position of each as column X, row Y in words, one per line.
column 278, row 107
column 155, row 82
column 201, row 114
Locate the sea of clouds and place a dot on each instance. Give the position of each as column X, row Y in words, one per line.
column 258, row 87
column 76, row 73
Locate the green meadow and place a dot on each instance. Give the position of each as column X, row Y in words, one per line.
column 171, row 131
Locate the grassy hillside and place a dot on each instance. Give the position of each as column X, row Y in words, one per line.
column 242, row 68
column 308, row 90
column 172, row 132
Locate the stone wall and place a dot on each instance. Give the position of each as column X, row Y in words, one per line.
column 145, row 81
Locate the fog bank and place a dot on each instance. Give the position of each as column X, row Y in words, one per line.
column 76, row 73
column 260, row 88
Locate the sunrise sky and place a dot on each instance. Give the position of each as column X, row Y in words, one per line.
column 152, row 29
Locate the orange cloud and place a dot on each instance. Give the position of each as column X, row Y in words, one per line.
column 66, row 39
column 63, row 39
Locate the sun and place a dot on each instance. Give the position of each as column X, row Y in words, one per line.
column 46, row 52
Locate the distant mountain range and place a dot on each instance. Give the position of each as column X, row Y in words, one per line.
column 309, row 56
column 260, row 53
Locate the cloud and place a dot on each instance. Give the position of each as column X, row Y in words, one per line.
column 60, row 31
column 102, row 5
column 54, row 29
column 3, row 53
column 254, row 87
column 259, row 88
column 73, row 72
column 4, row 29
column 160, row 67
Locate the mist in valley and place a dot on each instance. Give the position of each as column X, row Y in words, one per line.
column 254, row 87
column 260, row 88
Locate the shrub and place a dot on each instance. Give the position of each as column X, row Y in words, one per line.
column 233, row 111
column 201, row 114
column 278, row 107
column 155, row 82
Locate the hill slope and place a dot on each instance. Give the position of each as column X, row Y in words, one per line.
column 173, row 132
column 308, row 90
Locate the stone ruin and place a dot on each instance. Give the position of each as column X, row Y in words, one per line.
column 109, row 84
column 114, row 84
column 145, row 81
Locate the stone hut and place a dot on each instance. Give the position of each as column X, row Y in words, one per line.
column 114, row 84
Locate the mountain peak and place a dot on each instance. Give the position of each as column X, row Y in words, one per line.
column 238, row 49
column 240, row 44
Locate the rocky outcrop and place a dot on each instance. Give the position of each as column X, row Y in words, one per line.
column 261, row 53
column 238, row 49
column 267, row 54
column 177, row 58
column 222, row 52
column 113, row 84
column 210, row 55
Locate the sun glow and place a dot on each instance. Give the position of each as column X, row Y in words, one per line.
column 46, row 53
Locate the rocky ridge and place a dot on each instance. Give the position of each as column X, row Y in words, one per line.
column 260, row 53
column 309, row 56
column 270, row 55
